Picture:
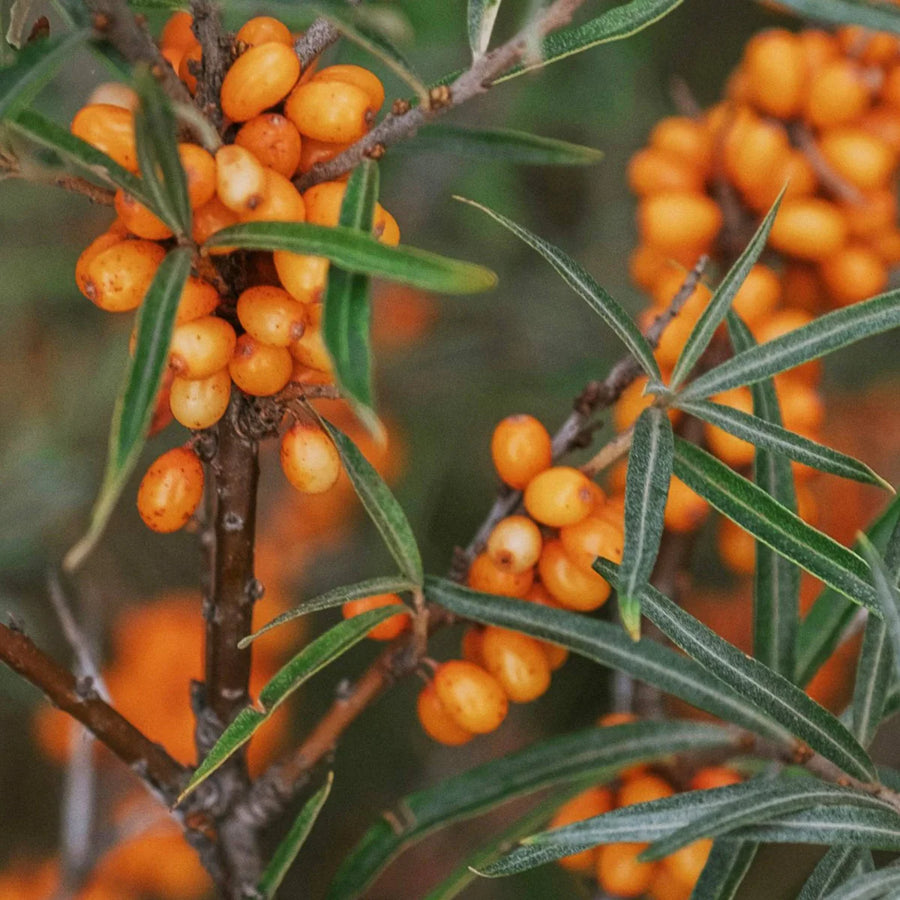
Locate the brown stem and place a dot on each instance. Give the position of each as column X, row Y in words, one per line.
column 314, row 41
column 217, row 56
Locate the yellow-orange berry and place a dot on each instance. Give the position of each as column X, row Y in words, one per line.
column 620, row 873
column 200, row 170
column 259, row 78
column 809, row 228
column 356, row 75
column 559, row 496
column 759, row 149
column 874, row 213
column 189, row 65
column 685, row 510
column 110, row 129
column 437, row 722
column 199, row 298
column 775, row 63
column 645, row 265
column 303, row 277
column 281, row 202
column 389, row 628
column 200, row 403
column 240, row 178
column 114, row 93
column 485, row 576
column 470, row 646
column 384, row 227
column 271, row 315
column 138, row 219
column 595, row 801
column 264, row 30
column 313, row 152
column 592, row 537
column 259, row 369
column 568, row 583
column 711, row 777
column 517, row 661
column 273, row 140
column 686, row 864
column 309, row 458
column 472, row 696
column 730, row 449
column 171, row 490
column 652, row 170
column 643, row 788
column 865, row 161
column 685, row 138
column 802, row 288
column 736, row 547
column 854, row 273
column 677, row 220
column 201, row 347
column 514, row 544
column 837, row 95
column 177, row 33
column 759, row 295
column 116, row 233
column 521, row 448
column 213, row 216
column 331, row 111
column 665, row 887
column 118, row 277
column 556, row 655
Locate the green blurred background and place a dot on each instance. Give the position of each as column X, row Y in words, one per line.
column 529, row 346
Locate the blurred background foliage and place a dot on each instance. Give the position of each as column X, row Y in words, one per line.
column 446, row 372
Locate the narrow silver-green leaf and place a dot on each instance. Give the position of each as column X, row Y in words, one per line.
column 480, row 19
column 7, row 53
column 777, row 439
column 717, row 308
column 137, row 397
column 646, row 491
column 389, row 584
column 32, row 66
column 287, row 850
column 874, row 670
column 317, row 654
column 360, row 253
column 882, row 884
column 776, row 580
column 595, row 754
column 504, row 144
column 825, row 334
column 606, row 644
column 768, row 521
column 770, row 692
column 157, row 151
column 821, row 629
column 381, row 505
column 584, row 285
column 832, row 870
column 725, row 868
column 887, row 596
column 879, row 16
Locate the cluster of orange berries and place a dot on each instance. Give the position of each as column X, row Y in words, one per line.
column 280, row 122
column 616, row 867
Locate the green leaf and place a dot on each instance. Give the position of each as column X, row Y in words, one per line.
column 770, row 692
column 776, row 580
column 606, row 644
column 874, row 670
column 317, row 654
column 347, row 311
column 481, row 17
column 584, row 285
column 832, row 331
column 499, row 144
column 287, row 850
column 595, row 754
column 389, row 584
column 72, row 149
column 872, row 14
column 887, row 595
column 137, row 397
column 34, row 64
column 777, row 439
column 768, row 521
column 359, row 29
column 720, row 303
column 878, row 885
column 381, row 505
column 835, row 867
column 646, row 490
column 821, row 629
column 157, row 151
column 360, row 253
column 725, row 868
column 613, row 25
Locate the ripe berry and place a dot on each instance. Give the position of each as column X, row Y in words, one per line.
column 281, row 202
column 273, row 140
column 592, row 537
column 713, row 777
column 620, row 873
column 200, row 170
column 809, row 228
column 303, row 277
column 171, row 490
column 271, row 315
column 686, row 864
column 686, row 139
column 595, row 801
column 240, row 178
column 521, row 448
column 485, row 575
column 730, row 449
column 115, row 234
column 854, row 273
column 684, row 510
column 358, row 76
column 568, row 583
column 118, row 277
column 473, row 697
column 202, row 402
column 651, row 171
column 758, row 296
column 259, row 78
column 139, row 220
column 775, row 63
column 679, row 220
column 309, row 349
column 264, row 30
column 313, row 152
column 309, row 458
column 644, row 788
column 199, row 298
column 201, row 347
column 837, row 95
column 213, row 216
column 437, row 722
column 515, row 544
column 863, row 160
column 259, row 369
column 389, row 628
column 331, row 111
column 114, row 93
column 109, row 129
column 517, row 661
column 559, row 496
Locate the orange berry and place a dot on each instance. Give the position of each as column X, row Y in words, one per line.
column 259, row 369
column 643, row 788
column 240, row 178
column 713, row 777
column 592, row 537
column 887, row 245
column 470, row 647
column 686, row 864
column 356, row 75
column 616, row 718
column 736, row 547
column 883, row 122
column 875, row 48
column 652, row 170
column 569, row 584
column 863, row 160
column 323, row 202
column 200, row 171
column 189, row 65
column 271, row 315
column 309, row 458
column 437, row 722
column 281, row 202
column 118, row 277
column 310, row 350
column 138, row 219
column 664, row 887
column 685, row 138
column 273, row 140
column 645, row 265
column 794, row 173
column 264, row 30
column 259, row 78
column 854, row 273
column 384, row 227
column 521, row 448
column 594, row 801
column 559, row 496
column 631, row 403
column 802, row 288
column 775, row 63
column 171, row 490
column 556, row 655
column 514, row 544
column 200, row 403
column 809, row 228
column 473, row 697
column 199, row 298
column 114, row 93
column 213, row 216
column 331, row 111
column 819, row 48
column 875, row 213
column 684, row 510
column 619, row 872
column 201, row 347
column 313, row 152
column 679, row 220
column 837, row 95
column 176, row 33
column 730, row 449
column 801, row 404
column 116, row 233
column 389, row 628
column 760, row 149
column 485, row 576
column 110, row 129
column 517, row 661
column 303, row 277
column 759, row 295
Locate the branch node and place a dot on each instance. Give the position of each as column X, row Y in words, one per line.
column 400, row 107
column 440, row 97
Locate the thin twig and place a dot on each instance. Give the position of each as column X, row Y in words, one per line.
column 320, row 35
column 833, row 183
column 217, row 47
